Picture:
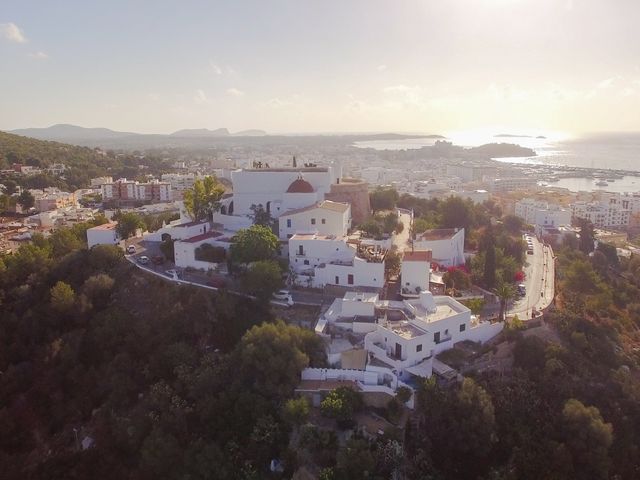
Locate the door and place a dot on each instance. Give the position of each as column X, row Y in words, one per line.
column 436, row 337
column 398, row 351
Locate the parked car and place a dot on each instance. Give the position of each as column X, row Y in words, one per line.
column 131, row 249
column 143, row 260
column 284, row 296
column 158, row 260
column 522, row 289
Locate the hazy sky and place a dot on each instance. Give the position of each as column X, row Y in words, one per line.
column 291, row 66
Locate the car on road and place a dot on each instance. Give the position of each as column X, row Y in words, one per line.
column 158, row 260
column 283, row 295
column 173, row 273
column 143, row 260
column 131, row 249
column 522, row 289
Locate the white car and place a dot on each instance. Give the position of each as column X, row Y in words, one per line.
column 283, row 295
column 131, row 249
column 173, row 274
column 143, row 260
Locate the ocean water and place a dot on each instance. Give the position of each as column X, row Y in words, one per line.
column 618, row 151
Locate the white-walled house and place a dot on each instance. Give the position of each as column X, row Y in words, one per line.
column 103, row 235
column 320, row 260
column 406, row 335
column 185, row 249
column 415, row 271
column 446, row 245
column 324, row 218
column 179, row 231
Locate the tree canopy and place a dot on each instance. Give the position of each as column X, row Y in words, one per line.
column 203, row 200
column 253, row 244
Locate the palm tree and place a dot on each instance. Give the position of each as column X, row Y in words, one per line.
column 505, row 292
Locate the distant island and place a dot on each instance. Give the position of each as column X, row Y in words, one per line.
column 510, row 135
column 502, row 150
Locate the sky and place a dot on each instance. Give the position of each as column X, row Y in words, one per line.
column 429, row 66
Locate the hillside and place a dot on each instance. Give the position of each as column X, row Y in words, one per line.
column 82, row 163
column 42, row 153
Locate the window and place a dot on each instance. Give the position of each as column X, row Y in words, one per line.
column 288, row 223
column 337, row 280
column 419, row 348
column 446, row 332
column 463, row 327
column 300, row 250
column 313, row 221
column 306, row 262
column 289, row 235
column 350, row 279
column 324, row 221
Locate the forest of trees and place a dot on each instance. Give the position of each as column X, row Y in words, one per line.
column 169, row 382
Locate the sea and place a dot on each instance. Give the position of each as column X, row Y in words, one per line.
column 613, row 151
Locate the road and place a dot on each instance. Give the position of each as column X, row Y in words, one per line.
column 198, row 278
column 539, row 281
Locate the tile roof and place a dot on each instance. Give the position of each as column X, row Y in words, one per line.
column 417, row 256
column 204, row 236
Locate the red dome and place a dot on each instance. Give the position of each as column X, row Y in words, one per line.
column 300, row 186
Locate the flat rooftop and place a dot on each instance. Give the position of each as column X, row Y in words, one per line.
column 314, row 236
column 439, row 234
column 405, row 329
column 417, row 256
column 204, row 236
column 105, row 226
column 290, row 169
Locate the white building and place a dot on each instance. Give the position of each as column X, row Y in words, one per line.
column 406, row 335
column 626, row 201
column 186, row 250
column 320, row 260
column 98, row 181
column 602, row 214
column 103, row 235
column 476, row 196
column 415, row 271
column 179, row 230
column 324, row 218
column 446, row 245
column 281, row 189
column 542, row 214
column 511, row 184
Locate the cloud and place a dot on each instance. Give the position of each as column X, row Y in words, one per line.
column 215, row 68
column 11, row 32
column 628, row 92
column 39, row 55
column 201, row 98
column 234, row 92
column 154, row 97
column 381, row 68
column 608, row 82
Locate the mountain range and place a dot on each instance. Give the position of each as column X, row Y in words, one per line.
column 189, row 138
